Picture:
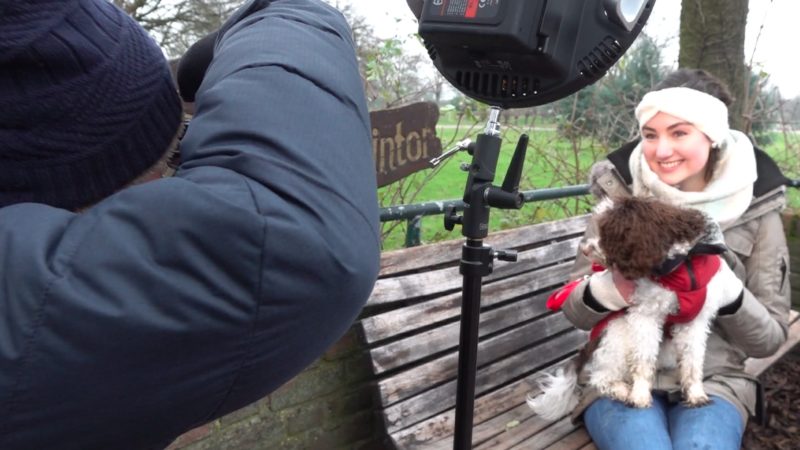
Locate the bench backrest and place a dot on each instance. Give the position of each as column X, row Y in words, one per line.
column 411, row 327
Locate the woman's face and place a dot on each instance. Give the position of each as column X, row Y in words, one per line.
column 676, row 151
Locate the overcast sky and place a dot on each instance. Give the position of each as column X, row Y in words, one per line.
column 775, row 53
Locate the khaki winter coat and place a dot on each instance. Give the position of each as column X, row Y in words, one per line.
column 758, row 254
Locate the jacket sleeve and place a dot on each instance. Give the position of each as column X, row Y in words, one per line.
column 282, row 104
column 575, row 308
column 760, row 325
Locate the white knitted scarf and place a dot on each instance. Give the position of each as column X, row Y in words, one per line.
column 727, row 195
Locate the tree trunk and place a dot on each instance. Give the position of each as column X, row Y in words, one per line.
column 712, row 38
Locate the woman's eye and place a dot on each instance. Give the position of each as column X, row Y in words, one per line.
column 679, row 133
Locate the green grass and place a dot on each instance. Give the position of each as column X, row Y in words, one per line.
column 786, row 155
column 448, row 181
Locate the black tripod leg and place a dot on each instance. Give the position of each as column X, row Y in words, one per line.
column 475, row 263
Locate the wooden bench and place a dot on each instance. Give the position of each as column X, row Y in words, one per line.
column 411, row 327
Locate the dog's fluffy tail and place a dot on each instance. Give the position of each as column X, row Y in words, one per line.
column 559, row 394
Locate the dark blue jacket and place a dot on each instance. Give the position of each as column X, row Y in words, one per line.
column 174, row 302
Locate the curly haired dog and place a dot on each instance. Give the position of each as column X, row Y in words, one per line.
column 672, row 254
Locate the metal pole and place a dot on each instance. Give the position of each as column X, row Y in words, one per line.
column 476, row 262
column 473, row 256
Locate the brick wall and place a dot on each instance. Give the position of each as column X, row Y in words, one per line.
column 328, row 406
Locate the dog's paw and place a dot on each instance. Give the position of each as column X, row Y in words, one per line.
column 694, row 396
column 617, row 390
column 640, row 396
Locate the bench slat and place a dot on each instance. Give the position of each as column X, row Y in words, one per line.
column 526, row 425
column 429, row 403
column 491, row 428
column 436, row 432
column 508, row 422
column 537, row 441
column 575, row 440
column 439, row 339
column 449, row 252
column 403, row 288
column 441, row 309
column 416, row 380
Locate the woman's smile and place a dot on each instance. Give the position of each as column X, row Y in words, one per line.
column 667, row 165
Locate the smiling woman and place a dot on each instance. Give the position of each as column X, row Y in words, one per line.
column 688, row 156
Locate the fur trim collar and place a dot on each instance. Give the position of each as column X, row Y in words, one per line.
column 726, row 197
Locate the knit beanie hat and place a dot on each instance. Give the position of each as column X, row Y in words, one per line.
column 87, row 102
column 706, row 112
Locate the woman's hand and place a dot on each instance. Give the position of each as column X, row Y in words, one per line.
column 624, row 286
column 611, row 290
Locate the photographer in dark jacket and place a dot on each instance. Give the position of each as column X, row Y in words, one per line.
column 132, row 311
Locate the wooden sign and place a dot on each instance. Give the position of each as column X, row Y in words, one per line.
column 404, row 140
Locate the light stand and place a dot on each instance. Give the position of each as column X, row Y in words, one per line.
column 477, row 260
column 511, row 54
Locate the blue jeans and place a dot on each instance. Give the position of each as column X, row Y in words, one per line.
column 615, row 426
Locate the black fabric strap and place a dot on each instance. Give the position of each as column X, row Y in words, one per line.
column 591, row 302
column 733, row 308
column 690, row 272
column 620, row 158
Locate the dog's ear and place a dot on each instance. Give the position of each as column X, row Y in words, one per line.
column 679, row 249
column 592, row 251
column 677, row 254
column 707, row 241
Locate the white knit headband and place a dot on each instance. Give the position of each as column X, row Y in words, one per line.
column 702, row 110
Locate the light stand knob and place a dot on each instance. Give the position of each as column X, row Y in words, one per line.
column 451, row 218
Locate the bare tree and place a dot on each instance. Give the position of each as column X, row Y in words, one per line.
column 177, row 24
column 391, row 73
column 712, row 38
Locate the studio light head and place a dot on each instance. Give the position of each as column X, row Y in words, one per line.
column 521, row 53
